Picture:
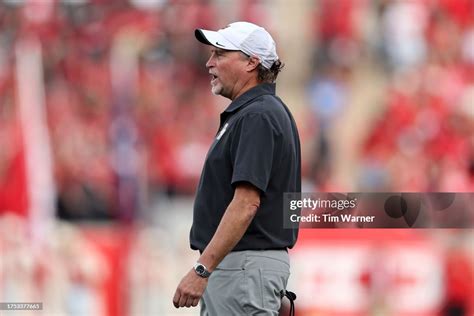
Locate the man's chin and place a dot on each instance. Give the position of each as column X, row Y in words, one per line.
column 216, row 90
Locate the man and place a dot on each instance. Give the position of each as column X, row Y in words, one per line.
column 238, row 212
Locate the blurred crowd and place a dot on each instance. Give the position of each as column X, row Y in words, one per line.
column 425, row 135
column 110, row 130
column 421, row 137
column 130, row 115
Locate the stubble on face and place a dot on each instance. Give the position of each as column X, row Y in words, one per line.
column 216, row 87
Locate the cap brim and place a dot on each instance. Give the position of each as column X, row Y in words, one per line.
column 213, row 38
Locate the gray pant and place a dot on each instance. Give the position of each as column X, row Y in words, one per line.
column 247, row 283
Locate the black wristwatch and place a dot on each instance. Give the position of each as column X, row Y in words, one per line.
column 201, row 270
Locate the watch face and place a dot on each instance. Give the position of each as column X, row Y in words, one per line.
column 200, row 269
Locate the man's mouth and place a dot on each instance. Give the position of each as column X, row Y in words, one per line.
column 213, row 78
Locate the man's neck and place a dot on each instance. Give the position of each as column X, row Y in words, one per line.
column 249, row 84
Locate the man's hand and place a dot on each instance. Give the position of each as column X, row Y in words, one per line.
column 189, row 290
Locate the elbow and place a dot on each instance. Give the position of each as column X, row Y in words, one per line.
column 248, row 211
column 248, row 198
column 252, row 207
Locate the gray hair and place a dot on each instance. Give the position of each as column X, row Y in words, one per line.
column 270, row 75
column 264, row 74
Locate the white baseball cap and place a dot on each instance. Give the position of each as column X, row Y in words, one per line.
column 247, row 37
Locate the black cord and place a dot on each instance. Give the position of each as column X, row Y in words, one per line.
column 292, row 297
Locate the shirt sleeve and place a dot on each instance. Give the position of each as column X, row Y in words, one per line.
column 252, row 151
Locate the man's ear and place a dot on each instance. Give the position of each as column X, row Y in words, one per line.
column 252, row 63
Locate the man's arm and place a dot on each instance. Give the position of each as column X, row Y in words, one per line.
column 234, row 223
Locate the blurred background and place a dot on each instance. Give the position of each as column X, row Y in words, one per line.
column 106, row 116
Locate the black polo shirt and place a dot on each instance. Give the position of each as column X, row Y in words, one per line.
column 257, row 142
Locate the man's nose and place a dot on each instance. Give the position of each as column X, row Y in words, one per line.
column 210, row 62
